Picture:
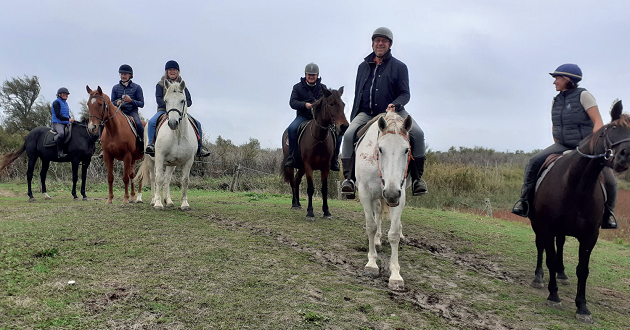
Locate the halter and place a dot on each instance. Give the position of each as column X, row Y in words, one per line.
column 409, row 158
column 105, row 108
column 609, row 153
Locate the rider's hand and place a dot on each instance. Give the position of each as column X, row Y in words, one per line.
column 127, row 98
column 71, row 120
column 308, row 106
column 118, row 102
column 391, row 107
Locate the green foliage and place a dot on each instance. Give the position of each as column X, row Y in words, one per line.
column 21, row 110
column 312, row 317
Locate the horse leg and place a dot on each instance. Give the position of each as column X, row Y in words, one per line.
column 310, row 216
column 75, row 178
column 539, row 274
column 159, row 183
column 553, row 300
column 109, row 164
column 132, row 174
column 384, row 214
column 583, row 314
column 126, row 170
column 371, row 208
column 42, row 177
column 324, row 175
column 167, row 186
column 84, row 168
column 152, row 178
column 185, row 182
column 296, row 190
column 396, row 281
column 29, row 177
column 560, row 274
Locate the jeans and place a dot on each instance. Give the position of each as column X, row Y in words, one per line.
column 153, row 123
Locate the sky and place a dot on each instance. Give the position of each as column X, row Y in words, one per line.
column 479, row 70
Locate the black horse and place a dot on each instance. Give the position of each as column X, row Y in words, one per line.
column 569, row 201
column 79, row 147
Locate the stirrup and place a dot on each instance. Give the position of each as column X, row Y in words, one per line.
column 348, row 183
column 423, row 184
column 523, row 210
column 606, row 222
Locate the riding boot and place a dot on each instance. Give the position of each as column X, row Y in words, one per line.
column 60, row 153
column 416, row 167
column 202, row 151
column 150, row 150
column 347, row 187
column 521, row 208
column 334, row 164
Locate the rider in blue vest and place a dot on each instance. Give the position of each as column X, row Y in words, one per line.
column 61, row 118
column 171, row 74
column 304, row 94
column 574, row 115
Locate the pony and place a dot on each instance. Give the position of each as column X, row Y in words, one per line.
column 569, row 201
column 173, row 147
column 118, row 140
column 317, row 146
column 383, row 156
column 80, row 147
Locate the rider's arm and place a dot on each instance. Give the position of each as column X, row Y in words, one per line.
column 188, row 98
column 294, row 102
column 57, row 108
column 114, row 96
column 159, row 96
column 138, row 98
column 402, row 85
column 588, row 102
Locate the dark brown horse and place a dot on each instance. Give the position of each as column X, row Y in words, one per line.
column 317, row 146
column 569, row 201
column 117, row 140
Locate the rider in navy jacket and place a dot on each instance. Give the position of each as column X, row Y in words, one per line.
column 129, row 96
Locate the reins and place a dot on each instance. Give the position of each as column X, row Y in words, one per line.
column 105, row 108
column 409, row 158
column 609, row 153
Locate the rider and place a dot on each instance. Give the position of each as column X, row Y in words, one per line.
column 61, row 118
column 172, row 75
column 382, row 83
column 129, row 97
column 304, row 93
column 574, row 115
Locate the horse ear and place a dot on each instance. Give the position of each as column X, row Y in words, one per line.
column 615, row 109
column 341, row 90
column 382, row 124
column 89, row 90
column 166, row 84
column 100, row 91
column 327, row 92
column 182, row 85
column 408, row 123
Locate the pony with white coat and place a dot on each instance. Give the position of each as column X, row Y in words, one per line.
column 383, row 157
column 173, row 147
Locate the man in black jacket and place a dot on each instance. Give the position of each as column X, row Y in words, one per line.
column 304, row 94
column 382, row 83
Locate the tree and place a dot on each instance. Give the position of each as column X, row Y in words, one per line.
column 21, row 109
column 84, row 113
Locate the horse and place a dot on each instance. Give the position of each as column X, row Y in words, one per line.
column 118, row 140
column 173, row 147
column 569, row 201
column 80, row 147
column 317, row 147
column 382, row 159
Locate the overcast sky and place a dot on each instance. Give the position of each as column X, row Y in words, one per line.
column 478, row 69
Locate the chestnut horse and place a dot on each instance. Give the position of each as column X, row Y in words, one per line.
column 117, row 140
column 317, row 146
column 569, row 201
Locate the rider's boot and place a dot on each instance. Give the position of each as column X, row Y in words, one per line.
column 610, row 221
column 416, row 168
column 150, row 150
column 60, row 153
column 521, row 208
column 347, row 187
column 334, row 164
column 202, row 151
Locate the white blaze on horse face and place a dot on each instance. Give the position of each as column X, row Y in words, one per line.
column 393, row 155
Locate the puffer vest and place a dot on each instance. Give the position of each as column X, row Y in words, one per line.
column 570, row 121
column 64, row 110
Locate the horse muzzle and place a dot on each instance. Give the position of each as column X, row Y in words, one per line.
column 392, row 196
column 621, row 161
column 172, row 124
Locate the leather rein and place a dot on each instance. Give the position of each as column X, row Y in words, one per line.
column 609, row 153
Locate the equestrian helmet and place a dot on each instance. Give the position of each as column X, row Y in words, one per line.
column 62, row 90
column 171, row 65
column 384, row 32
column 571, row 71
column 125, row 68
column 311, row 68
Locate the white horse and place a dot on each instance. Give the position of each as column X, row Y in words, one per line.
column 382, row 158
column 173, row 147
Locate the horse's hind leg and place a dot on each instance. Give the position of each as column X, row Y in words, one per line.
column 42, row 177
column 583, row 314
column 560, row 274
column 75, row 178
column 539, row 273
column 29, row 177
column 132, row 174
column 327, row 214
column 310, row 216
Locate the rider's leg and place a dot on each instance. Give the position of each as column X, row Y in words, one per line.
column 610, row 221
column 59, row 128
column 139, row 127
column 334, row 164
column 151, row 133
column 347, row 153
column 201, row 150
column 292, row 131
column 534, row 164
column 416, row 166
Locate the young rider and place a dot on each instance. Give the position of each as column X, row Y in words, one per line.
column 61, row 118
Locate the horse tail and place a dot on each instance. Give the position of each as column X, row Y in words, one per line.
column 9, row 158
column 143, row 171
column 287, row 173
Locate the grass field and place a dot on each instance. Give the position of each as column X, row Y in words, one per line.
column 246, row 261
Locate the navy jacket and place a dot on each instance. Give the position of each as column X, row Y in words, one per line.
column 303, row 93
column 135, row 93
column 391, row 85
column 159, row 96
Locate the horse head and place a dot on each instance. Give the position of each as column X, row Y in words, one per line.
column 329, row 110
column 97, row 105
column 393, row 155
column 175, row 101
column 611, row 142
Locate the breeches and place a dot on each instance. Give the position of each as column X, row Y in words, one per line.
column 136, row 118
column 59, row 128
column 292, row 131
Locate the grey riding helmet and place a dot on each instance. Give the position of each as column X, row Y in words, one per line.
column 311, row 68
column 384, row 32
column 63, row 90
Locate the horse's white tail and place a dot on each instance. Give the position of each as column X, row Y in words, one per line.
column 142, row 175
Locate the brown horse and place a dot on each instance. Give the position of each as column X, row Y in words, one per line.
column 117, row 140
column 317, row 146
column 569, row 201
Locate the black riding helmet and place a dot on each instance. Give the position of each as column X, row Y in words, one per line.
column 171, row 65
column 62, row 90
column 126, row 68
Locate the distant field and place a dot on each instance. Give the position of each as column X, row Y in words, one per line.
column 246, row 261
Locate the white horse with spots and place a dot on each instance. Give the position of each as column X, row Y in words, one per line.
column 382, row 158
column 173, row 147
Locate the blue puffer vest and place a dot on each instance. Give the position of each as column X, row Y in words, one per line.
column 570, row 121
column 64, row 110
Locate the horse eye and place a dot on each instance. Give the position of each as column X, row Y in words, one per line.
column 380, row 150
column 407, row 150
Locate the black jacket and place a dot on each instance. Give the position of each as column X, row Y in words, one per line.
column 159, row 96
column 391, row 85
column 303, row 93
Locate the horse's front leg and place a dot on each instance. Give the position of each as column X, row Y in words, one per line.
column 109, row 164
column 396, row 281
column 159, row 182
column 296, row 189
column 324, row 175
column 372, row 210
column 310, row 216
column 185, row 182
column 126, row 170
column 42, row 177
column 132, row 174
column 553, row 300
column 75, row 178
column 84, row 168
column 560, row 274
column 168, row 176
column 581, row 271
column 539, row 273
column 29, row 177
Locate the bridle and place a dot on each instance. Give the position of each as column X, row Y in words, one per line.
column 409, row 157
column 105, row 109
column 330, row 128
column 180, row 113
column 609, row 153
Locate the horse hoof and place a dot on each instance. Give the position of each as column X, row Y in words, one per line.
column 170, row 205
column 327, row 216
column 585, row 318
column 131, row 201
column 538, row 285
column 396, row 285
column 185, row 208
column 32, row 199
column 564, row 281
column 152, row 204
column 139, row 202
column 296, row 207
column 158, row 208
column 47, row 198
column 76, row 198
column 371, row 271
column 554, row 304
column 85, row 199
column 310, row 218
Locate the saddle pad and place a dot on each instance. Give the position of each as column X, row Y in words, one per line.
column 50, row 139
column 132, row 124
column 163, row 118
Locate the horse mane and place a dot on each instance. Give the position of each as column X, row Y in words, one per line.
column 623, row 121
column 395, row 122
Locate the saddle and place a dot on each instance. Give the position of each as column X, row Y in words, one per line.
column 300, row 132
column 551, row 160
column 163, row 118
column 50, row 139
